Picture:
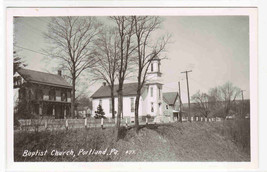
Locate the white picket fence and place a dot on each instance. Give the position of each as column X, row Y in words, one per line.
column 61, row 124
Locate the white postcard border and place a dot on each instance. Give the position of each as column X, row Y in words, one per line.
column 251, row 12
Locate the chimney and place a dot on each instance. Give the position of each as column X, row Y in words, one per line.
column 104, row 84
column 59, row 72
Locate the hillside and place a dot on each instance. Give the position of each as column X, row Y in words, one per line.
column 196, row 141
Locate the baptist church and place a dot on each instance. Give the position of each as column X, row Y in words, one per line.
column 152, row 101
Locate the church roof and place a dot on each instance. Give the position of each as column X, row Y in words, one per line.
column 170, row 97
column 43, row 78
column 129, row 89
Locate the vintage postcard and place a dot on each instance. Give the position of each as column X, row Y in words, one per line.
column 110, row 86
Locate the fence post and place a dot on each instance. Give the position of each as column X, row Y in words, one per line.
column 67, row 124
column 126, row 121
column 45, row 124
column 102, row 122
column 85, row 123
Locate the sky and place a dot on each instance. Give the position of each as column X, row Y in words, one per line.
column 215, row 48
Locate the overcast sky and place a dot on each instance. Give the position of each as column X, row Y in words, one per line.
column 215, row 48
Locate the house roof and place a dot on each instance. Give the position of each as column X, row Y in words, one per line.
column 170, row 97
column 43, row 78
column 129, row 89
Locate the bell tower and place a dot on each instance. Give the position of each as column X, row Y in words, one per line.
column 154, row 85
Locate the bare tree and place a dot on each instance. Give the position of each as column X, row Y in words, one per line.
column 107, row 54
column 228, row 94
column 18, row 61
column 201, row 101
column 144, row 26
column 124, row 27
column 71, row 40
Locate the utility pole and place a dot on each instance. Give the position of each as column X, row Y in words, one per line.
column 180, row 102
column 188, row 95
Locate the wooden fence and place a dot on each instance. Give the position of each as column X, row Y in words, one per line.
column 61, row 124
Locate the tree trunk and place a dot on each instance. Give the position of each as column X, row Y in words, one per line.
column 73, row 98
column 117, row 129
column 181, row 116
column 136, row 111
column 112, row 103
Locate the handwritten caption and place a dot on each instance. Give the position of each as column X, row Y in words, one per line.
column 80, row 152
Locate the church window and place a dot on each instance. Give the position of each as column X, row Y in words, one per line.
column 167, row 107
column 100, row 102
column 110, row 105
column 151, row 91
column 152, row 67
column 132, row 104
column 152, row 107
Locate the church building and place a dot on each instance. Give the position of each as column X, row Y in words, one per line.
column 152, row 100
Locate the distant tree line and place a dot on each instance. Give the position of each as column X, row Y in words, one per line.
column 220, row 101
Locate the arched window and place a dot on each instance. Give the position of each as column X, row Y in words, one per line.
column 52, row 94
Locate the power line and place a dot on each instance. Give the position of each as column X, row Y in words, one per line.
column 31, row 50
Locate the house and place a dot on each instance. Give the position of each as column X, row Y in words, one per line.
column 48, row 95
column 83, row 111
column 171, row 103
column 152, row 100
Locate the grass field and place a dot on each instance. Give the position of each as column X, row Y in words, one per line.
column 196, row 141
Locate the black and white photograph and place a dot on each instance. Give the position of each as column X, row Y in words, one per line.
column 132, row 88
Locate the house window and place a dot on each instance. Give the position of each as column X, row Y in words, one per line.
column 151, row 91
column 52, row 94
column 110, row 105
column 63, row 96
column 100, row 102
column 167, row 107
column 152, row 107
column 152, row 67
column 22, row 92
column 17, row 80
column 30, row 95
column 39, row 94
column 132, row 104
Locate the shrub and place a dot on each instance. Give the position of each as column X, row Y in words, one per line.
column 99, row 113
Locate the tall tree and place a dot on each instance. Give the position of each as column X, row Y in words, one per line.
column 71, row 40
column 201, row 101
column 229, row 93
column 107, row 54
column 124, row 27
column 17, row 62
column 144, row 26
